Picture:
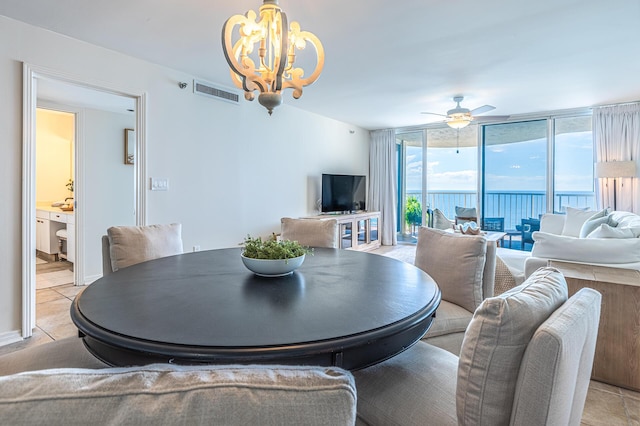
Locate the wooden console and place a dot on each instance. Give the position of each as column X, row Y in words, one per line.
column 357, row 231
column 617, row 357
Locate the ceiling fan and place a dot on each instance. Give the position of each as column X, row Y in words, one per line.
column 459, row 117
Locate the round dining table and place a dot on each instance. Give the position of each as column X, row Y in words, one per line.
column 340, row 308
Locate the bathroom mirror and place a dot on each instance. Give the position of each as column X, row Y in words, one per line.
column 129, row 145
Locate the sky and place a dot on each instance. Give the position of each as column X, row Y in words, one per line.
column 517, row 166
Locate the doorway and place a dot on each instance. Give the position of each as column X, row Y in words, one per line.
column 44, row 85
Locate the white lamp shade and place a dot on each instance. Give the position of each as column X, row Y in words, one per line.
column 615, row 169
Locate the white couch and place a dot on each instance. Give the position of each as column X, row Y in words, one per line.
column 598, row 238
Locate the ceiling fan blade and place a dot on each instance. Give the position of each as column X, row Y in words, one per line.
column 485, row 118
column 482, row 109
column 434, row 113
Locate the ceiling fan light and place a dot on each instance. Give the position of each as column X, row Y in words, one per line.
column 458, row 122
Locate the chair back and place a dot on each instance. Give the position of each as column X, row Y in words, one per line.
column 495, row 224
column 554, row 375
column 527, row 355
column 311, row 232
column 128, row 245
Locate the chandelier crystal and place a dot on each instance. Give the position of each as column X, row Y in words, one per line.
column 262, row 58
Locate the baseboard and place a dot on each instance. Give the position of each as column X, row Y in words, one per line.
column 10, row 337
column 91, row 278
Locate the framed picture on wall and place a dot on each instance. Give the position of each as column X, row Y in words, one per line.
column 129, row 146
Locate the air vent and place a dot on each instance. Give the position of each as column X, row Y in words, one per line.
column 210, row 90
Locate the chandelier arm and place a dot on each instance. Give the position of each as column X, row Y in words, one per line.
column 282, row 59
column 243, row 74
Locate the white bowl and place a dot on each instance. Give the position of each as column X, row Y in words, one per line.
column 272, row 267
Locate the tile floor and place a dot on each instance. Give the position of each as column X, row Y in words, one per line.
column 606, row 405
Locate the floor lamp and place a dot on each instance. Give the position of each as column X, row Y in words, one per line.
column 615, row 169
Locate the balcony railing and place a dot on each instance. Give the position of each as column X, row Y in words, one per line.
column 512, row 205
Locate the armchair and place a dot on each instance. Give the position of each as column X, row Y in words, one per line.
column 464, row 267
column 526, row 359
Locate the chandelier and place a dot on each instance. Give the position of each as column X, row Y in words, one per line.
column 262, row 58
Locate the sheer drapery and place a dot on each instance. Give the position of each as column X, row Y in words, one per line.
column 616, row 133
column 383, row 183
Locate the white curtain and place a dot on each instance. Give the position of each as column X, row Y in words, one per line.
column 383, row 183
column 616, row 133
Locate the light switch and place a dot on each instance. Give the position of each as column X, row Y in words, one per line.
column 158, row 184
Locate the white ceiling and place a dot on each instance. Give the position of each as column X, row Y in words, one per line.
column 386, row 61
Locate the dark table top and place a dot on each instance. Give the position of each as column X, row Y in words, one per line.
column 341, row 307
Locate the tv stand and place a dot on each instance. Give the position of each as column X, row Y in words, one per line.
column 357, row 231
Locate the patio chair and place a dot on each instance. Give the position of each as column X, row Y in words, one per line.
column 495, row 224
column 466, row 214
column 527, row 228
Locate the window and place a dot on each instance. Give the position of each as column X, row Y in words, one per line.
column 573, row 164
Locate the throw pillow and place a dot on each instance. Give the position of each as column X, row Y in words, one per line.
column 129, row 245
column 440, row 221
column 455, row 262
column 576, row 218
column 591, row 224
column 607, row 231
column 495, row 342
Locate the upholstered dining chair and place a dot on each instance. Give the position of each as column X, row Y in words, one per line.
column 464, row 268
column 311, row 232
column 526, row 359
column 127, row 245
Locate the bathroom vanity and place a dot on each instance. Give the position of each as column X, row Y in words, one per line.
column 50, row 220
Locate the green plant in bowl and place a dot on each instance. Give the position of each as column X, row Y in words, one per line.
column 257, row 248
column 273, row 258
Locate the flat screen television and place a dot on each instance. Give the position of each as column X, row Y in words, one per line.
column 343, row 193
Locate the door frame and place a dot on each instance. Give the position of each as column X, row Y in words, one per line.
column 31, row 75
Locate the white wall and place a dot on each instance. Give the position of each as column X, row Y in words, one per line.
column 109, row 183
column 232, row 170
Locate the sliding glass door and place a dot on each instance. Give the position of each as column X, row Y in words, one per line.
column 452, row 169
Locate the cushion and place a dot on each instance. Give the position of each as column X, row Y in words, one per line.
column 586, row 250
column 552, row 223
column 450, row 318
column 170, row 394
column 311, row 232
column 455, row 262
column 576, row 218
column 414, row 388
column 591, row 224
column 129, row 245
column 495, row 342
column 606, row 231
column 440, row 221
column 69, row 352
column 556, row 368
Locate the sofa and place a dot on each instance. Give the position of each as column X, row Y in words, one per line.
column 60, row 383
column 600, row 238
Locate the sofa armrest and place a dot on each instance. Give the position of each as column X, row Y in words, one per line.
column 171, row 394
